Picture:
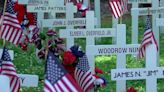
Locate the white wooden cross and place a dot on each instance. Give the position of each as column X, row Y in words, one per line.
column 150, row 73
column 120, row 49
column 70, row 22
column 26, row 80
column 42, row 6
column 89, row 33
column 135, row 4
column 155, row 10
column 135, row 12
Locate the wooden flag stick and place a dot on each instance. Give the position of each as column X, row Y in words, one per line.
column 121, row 20
column 2, row 19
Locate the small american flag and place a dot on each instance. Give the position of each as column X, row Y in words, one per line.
column 118, row 7
column 148, row 39
column 83, row 74
column 11, row 29
column 57, row 78
column 9, row 70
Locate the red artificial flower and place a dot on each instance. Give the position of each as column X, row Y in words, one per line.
column 131, row 89
column 68, row 58
column 97, row 70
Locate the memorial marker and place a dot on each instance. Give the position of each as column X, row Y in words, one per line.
column 155, row 10
column 120, row 49
column 150, row 73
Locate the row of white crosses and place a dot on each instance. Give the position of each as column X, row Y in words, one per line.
column 26, row 80
column 149, row 73
column 89, row 33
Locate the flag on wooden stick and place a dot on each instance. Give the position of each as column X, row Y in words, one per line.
column 11, row 29
column 83, row 74
column 8, row 69
column 148, row 38
column 57, row 78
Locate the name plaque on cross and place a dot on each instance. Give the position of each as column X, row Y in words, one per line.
column 42, row 2
column 82, row 33
column 63, row 22
column 42, row 8
column 28, row 80
column 138, row 73
column 112, row 49
column 34, row 2
column 146, row 11
column 139, row 1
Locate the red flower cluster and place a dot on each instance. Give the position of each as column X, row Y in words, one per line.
column 131, row 89
column 68, row 58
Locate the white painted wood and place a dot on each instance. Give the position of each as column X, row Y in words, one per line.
column 162, row 16
column 40, row 16
column 155, row 5
column 69, row 16
column 134, row 24
column 28, row 80
column 4, row 84
column 121, row 58
column 90, row 40
column 151, row 62
column 97, row 12
column 114, row 25
column 159, row 21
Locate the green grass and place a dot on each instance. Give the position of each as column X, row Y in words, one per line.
column 26, row 62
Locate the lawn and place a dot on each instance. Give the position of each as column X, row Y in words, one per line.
column 26, row 62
